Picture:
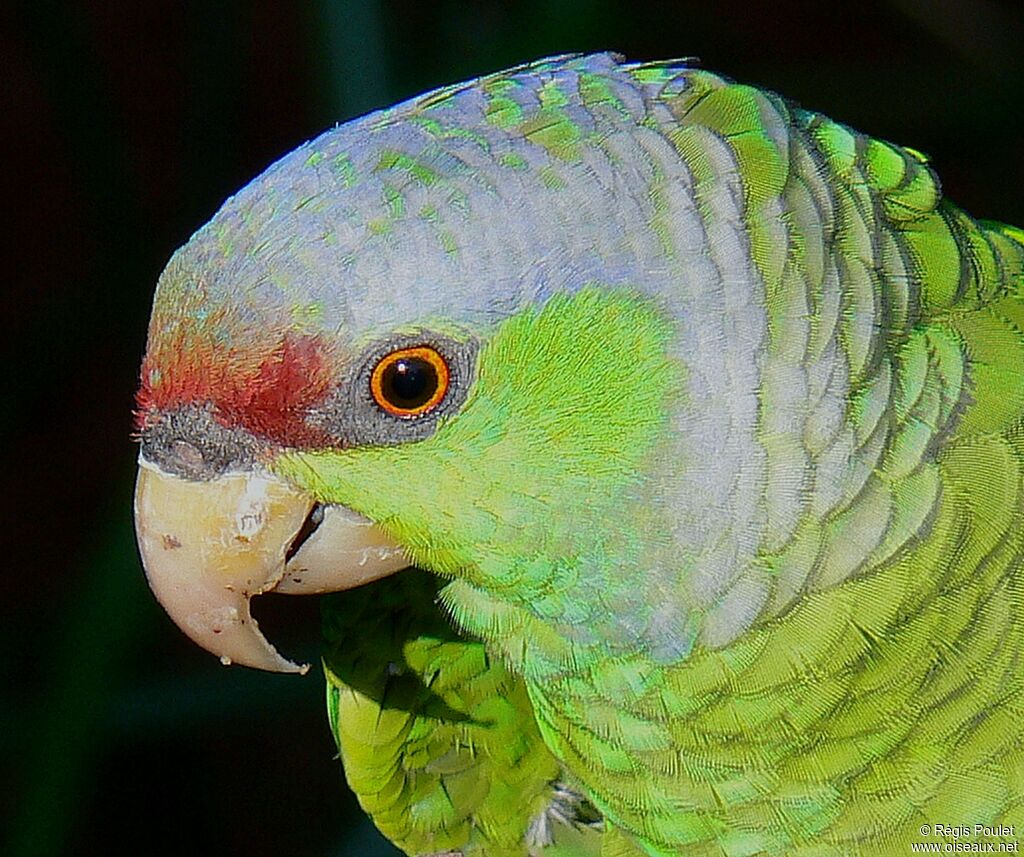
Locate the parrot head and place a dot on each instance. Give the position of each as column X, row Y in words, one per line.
column 697, row 407
column 435, row 336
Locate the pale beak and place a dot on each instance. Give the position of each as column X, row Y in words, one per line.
column 208, row 547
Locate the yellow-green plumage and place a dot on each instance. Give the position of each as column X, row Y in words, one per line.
column 438, row 741
column 879, row 689
column 727, row 527
column 892, row 700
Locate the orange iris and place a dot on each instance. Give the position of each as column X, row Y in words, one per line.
column 410, row 381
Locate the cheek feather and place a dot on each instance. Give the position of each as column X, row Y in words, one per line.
column 267, row 393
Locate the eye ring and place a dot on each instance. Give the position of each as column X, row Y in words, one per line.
column 410, row 381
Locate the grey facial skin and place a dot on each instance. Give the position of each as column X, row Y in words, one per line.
column 353, row 418
column 192, row 444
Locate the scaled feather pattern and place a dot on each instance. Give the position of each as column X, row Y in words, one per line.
column 716, row 534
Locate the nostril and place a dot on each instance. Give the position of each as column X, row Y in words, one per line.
column 189, row 442
column 188, row 458
column 309, row 526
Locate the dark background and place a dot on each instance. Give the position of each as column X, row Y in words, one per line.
column 125, row 126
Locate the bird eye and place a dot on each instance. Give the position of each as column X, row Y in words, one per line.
column 410, row 381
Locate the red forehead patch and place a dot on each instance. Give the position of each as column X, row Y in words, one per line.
column 268, row 394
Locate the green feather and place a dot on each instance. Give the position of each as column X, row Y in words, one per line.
column 438, row 740
column 881, row 699
column 705, row 247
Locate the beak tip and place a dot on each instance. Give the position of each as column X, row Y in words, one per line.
column 209, row 546
column 278, row 664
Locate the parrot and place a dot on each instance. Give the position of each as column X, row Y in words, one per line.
column 656, row 446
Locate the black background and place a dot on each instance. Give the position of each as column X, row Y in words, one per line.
column 125, row 125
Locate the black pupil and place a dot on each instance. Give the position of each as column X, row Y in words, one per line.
column 409, row 383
